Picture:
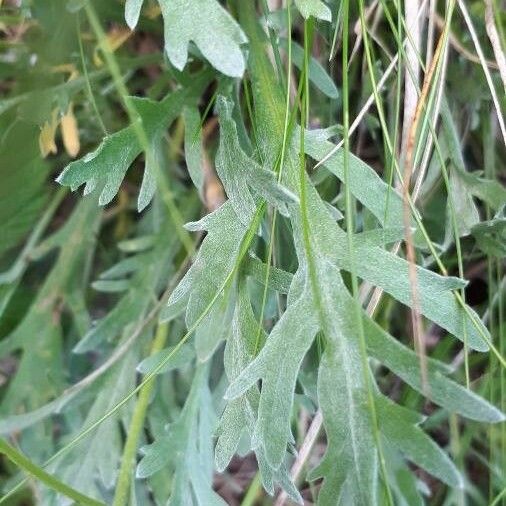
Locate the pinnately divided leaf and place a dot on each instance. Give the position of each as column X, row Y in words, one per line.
column 104, row 169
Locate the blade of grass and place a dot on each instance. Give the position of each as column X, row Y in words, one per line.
column 47, row 479
column 91, row 95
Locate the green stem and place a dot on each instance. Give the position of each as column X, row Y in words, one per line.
column 136, row 425
column 253, row 491
column 28, row 466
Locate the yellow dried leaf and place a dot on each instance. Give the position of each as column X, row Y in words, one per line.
column 70, row 132
column 47, row 144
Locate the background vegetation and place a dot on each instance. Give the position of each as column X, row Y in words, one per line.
column 284, row 279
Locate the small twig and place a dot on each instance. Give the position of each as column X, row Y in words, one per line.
column 411, row 79
column 494, row 40
column 410, row 247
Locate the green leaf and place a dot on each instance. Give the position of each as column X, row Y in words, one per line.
column 399, row 426
column 210, row 26
column 238, row 172
column 240, row 415
column 23, row 174
column 204, row 22
column 193, row 149
column 365, row 183
column 186, row 448
column 207, row 275
column 317, row 74
column 278, row 374
column 314, row 8
column 490, row 191
column 405, row 363
column 491, row 236
column 105, row 168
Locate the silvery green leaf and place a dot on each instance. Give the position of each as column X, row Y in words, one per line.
column 279, row 376
column 132, row 12
column 238, row 172
column 240, row 414
column 193, row 149
column 185, row 449
column 400, row 426
column 104, row 169
column 314, row 8
column 213, row 30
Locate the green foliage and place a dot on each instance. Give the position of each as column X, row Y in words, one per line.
column 266, row 331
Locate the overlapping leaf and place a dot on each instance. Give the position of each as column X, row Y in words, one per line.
column 240, row 415
column 226, row 229
column 343, row 390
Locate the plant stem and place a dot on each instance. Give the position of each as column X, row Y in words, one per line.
column 253, row 491
column 136, row 425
